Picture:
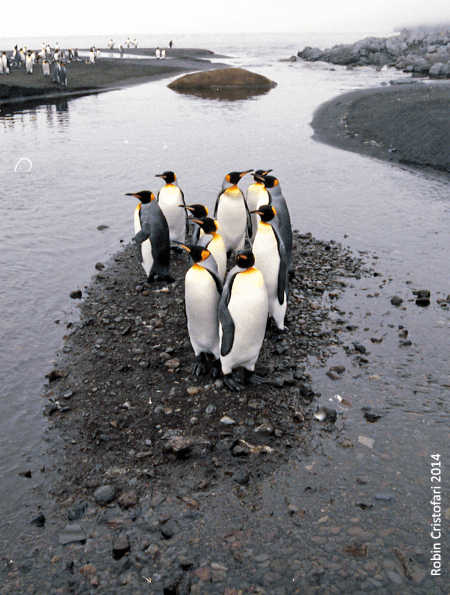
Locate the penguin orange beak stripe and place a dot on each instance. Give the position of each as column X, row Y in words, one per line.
column 241, row 175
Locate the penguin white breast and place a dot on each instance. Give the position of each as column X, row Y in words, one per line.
column 232, row 218
column 202, row 299
column 217, row 248
column 169, row 199
column 248, row 307
column 267, row 257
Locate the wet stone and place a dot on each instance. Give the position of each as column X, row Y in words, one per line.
column 396, row 300
column 104, row 495
column 121, row 546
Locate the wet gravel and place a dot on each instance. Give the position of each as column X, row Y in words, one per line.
column 160, row 482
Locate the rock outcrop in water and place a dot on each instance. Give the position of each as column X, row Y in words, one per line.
column 420, row 52
column 221, row 78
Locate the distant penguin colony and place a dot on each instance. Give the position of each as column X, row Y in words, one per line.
column 227, row 313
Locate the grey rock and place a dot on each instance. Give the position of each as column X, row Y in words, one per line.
column 104, row 494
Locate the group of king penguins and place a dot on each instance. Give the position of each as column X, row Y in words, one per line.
column 226, row 313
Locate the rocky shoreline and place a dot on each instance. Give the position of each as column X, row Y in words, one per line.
column 155, row 478
column 421, row 52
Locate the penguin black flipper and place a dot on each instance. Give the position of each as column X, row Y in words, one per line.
column 283, row 272
column 143, row 235
column 224, row 315
column 216, row 206
column 184, row 204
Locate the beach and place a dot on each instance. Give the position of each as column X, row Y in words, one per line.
column 404, row 123
column 106, row 74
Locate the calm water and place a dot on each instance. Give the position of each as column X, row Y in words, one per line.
column 87, row 153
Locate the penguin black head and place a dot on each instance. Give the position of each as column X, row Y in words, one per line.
column 197, row 253
column 266, row 212
column 270, row 181
column 145, row 196
column 245, row 259
column 207, row 224
column 168, row 176
column 261, row 172
column 198, row 211
column 235, row 176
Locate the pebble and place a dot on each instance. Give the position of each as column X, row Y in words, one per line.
column 72, row 534
column 104, row 495
column 396, row 300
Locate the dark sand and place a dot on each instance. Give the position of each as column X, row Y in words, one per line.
column 106, row 74
column 406, row 124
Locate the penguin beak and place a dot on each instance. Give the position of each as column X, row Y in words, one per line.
column 199, row 221
column 259, row 178
column 183, row 246
column 160, row 176
column 257, row 212
column 241, row 175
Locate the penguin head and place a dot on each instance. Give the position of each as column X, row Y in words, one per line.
column 234, row 177
column 261, row 172
column 245, row 259
column 271, row 182
column 197, row 253
column 208, row 224
column 168, row 176
column 266, row 212
column 198, row 211
column 145, row 196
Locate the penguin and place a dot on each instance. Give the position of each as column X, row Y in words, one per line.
column 98, row 54
column 152, row 236
column 56, row 72
column 256, row 195
column 271, row 260
column 16, row 56
column 46, row 68
column 243, row 311
column 213, row 241
column 203, row 288
column 92, row 56
column 157, row 53
column 170, row 198
column 63, row 75
column 111, row 44
column 29, row 64
column 277, row 199
column 231, row 212
column 4, row 66
column 198, row 211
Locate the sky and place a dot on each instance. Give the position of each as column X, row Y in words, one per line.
column 86, row 17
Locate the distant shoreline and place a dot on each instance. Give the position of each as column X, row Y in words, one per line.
column 405, row 124
column 107, row 74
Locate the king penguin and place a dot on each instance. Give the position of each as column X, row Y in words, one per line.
column 197, row 211
column 231, row 212
column 271, row 260
column 29, row 64
column 213, row 241
column 243, row 311
column 256, row 195
column 277, row 199
column 170, row 198
column 152, row 236
column 46, row 68
column 203, row 288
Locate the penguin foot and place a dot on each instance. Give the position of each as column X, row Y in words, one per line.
column 216, row 369
column 277, row 334
column 200, row 368
column 253, row 378
column 232, row 383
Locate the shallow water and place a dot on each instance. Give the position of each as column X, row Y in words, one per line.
column 87, row 153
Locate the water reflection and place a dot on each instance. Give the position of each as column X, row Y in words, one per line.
column 225, row 93
column 55, row 111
